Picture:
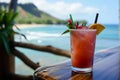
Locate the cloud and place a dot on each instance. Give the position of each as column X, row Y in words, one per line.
column 61, row 9
column 5, row 1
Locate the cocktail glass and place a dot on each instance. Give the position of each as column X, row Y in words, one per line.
column 82, row 49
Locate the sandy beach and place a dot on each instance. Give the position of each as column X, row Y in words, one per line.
column 28, row 25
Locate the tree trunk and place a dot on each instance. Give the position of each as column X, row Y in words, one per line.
column 7, row 64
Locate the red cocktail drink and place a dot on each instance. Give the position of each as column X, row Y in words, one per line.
column 82, row 49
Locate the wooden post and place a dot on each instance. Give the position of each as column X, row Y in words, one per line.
column 7, row 62
column 13, row 5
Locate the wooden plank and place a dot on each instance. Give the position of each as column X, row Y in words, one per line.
column 106, row 68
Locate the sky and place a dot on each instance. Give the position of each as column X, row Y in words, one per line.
column 80, row 9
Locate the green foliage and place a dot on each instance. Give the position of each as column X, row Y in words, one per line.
column 29, row 13
column 33, row 15
column 71, row 24
column 6, row 28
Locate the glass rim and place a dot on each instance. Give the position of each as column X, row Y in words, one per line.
column 82, row 29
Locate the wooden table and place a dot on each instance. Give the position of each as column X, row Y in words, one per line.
column 106, row 67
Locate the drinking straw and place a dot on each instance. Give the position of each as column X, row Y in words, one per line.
column 96, row 18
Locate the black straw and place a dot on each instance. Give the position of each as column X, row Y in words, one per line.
column 96, row 18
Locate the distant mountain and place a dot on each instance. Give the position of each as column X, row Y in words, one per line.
column 29, row 13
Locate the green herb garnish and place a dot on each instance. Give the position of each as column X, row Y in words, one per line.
column 70, row 25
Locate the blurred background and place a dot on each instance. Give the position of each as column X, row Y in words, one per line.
column 43, row 21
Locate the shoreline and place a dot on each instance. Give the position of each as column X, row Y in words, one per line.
column 21, row 26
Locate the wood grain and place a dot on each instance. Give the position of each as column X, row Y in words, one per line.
column 106, row 67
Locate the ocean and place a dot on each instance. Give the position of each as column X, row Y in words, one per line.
column 51, row 35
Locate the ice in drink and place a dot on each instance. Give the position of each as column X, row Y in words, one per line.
column 82, row 49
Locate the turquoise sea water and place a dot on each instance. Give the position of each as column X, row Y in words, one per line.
column 51, row 35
